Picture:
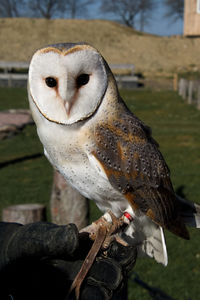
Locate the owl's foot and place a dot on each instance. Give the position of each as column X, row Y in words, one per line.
column 102, row 232
column 112, row 224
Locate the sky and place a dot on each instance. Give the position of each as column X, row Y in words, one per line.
column 163, row 26
column 158, row 24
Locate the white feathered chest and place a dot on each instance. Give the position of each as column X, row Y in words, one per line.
column 70, row 152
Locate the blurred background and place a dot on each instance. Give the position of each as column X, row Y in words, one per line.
column 152, row 47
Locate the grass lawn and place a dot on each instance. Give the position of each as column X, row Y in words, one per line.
column 176, row 126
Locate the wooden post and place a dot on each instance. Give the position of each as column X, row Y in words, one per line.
column 67, row 204
column 175, row 82
column 198, row 97
column 180, row 87
column 24, row 213
column 190, row 91
column 183, row 84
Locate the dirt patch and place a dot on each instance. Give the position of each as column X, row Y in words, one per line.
column 13, row 121
column 151, row 55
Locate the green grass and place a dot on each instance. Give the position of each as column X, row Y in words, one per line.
column 28, row 181
column 13, row 98
column 176, row 126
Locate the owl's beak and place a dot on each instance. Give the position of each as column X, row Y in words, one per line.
column 67, row 105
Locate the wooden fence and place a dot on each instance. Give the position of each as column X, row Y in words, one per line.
column 189, row 90
column 13, row 72
column 8, row 66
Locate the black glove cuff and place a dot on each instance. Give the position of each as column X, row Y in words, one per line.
column 7, row 231
column 38, row 240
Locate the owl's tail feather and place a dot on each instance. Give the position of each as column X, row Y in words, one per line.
column 189, row 212
column 154, row 246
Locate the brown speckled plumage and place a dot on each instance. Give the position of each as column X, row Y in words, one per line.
column 135, row 167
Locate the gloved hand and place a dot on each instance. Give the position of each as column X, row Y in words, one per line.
column 40, row 261
column 109, row 273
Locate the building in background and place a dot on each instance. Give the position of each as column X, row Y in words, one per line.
column 192, row 18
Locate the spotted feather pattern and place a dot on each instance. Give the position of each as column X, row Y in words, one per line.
column 134, row 166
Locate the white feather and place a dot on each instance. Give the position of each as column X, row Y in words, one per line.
column 148, row 237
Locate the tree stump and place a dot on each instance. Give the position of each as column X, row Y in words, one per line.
column 24, row 213
column 67, row 204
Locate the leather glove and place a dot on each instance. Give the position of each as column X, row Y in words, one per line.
column 24, row 273
column 41, row 260
column 108, row 275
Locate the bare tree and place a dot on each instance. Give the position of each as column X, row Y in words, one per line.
column 128, row 10
column 58, row 8
column 11, row 8
column 175, row 9
column 77, row 7
column 146, row 7
column 44, row 8
column 47, row 8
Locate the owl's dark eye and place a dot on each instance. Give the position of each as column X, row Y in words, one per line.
column 82, row 79
column 51, row 82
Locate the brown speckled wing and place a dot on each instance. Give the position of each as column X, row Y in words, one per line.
column 135, row 167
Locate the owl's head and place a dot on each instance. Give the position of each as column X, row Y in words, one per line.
column 67, row 82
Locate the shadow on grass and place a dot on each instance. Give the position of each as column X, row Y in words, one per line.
column 154, row 292
column 180, row 191
column 19, row 159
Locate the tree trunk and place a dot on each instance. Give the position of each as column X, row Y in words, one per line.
column 67, row 204
column 24, row 213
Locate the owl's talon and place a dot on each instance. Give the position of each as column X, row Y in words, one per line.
column 110, row 239
column 111, row 227
column 107, row 241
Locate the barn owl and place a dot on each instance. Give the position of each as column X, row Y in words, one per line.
column 101, row 148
